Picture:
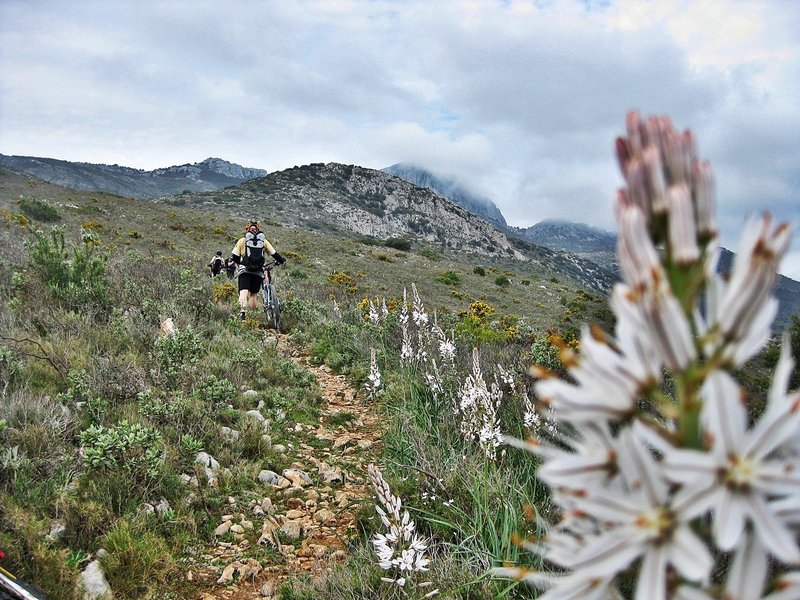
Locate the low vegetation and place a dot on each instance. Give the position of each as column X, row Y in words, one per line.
column 100, row 415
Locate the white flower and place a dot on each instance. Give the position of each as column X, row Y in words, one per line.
column 406, row 351
column 374, row 377
column 646, row 522
column 404, row 309
column 418, row 309
column 587, row 460
column 373, row 313
column 608, row 382
column 399, row 549
column 743, row 472
column 739, row 313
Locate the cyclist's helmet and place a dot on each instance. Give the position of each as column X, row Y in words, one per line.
column 252, row 223
column 219, row 252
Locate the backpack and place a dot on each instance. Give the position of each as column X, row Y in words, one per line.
column 253, row 259
column 216, row 265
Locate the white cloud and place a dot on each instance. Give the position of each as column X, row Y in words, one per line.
column 522, row 98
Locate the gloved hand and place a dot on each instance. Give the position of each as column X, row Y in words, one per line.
column 278, row 258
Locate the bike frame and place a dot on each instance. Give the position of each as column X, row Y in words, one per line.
column 272, row 309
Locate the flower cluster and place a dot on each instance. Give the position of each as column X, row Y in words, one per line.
column 665, row 485
column 478, row 405
column 373, row 383
column 400, row 550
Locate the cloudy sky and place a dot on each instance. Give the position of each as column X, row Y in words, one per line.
column 520, row 99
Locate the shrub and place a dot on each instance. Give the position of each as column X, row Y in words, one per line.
column 448, row 277
column 38, row 210
column 479, row 270
column 431, row 255
column 138, row 561
column 215, row 391
column 224, row 292
column 73, row 282
column 174, row 356
column 130, row 447
column 502, row 281
column 399, row 243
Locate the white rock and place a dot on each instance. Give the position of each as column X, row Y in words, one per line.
column 94, row 584
column 229, row 434
column 254, row 414
column 223, row 528
column 205, row 459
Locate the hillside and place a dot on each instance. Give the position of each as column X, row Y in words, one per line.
column 221, row 459
column 351, row 200
column 191, row 227
column 599, row 246
column 210, row 174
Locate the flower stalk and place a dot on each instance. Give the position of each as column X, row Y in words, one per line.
column 638, row 474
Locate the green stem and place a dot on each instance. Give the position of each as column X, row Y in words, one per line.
column 690, row 432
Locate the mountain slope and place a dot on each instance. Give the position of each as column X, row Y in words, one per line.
column 345, row 198
column 210, row 174
column 480, row 206
column 599, row 246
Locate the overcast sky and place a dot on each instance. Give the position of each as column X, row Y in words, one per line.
column 520, row 99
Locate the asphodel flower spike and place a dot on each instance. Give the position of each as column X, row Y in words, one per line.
column 668, row 487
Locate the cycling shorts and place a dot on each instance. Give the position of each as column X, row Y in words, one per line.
column 250, row 282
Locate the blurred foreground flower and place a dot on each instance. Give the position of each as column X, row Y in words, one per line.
column 666, row 487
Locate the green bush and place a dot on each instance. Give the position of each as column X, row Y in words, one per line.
column 175, row 356
column 448, row 277
column 73, row 275
column 215, row 391
column 38, row 210
column 502, row 281
column 138, row 561
column 431, row 255
column 479, row 270
column 399, row 243
column 130, row 447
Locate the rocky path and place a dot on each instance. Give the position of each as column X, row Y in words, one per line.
column 307, row 512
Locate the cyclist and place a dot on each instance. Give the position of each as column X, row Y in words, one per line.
column 249, row 253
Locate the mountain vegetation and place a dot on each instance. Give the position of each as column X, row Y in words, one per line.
column 102, row 417
column 124, row 373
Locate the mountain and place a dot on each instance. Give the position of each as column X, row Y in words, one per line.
column 599, row 246
column 339, row 198
column 588, row 242
column 210, row 174
column 480, row 206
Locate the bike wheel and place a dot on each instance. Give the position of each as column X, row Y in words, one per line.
column 272, row 310
column 276, row 311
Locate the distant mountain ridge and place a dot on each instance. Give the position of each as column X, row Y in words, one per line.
column 599, row 246
column 480, row 206
column 210, row 174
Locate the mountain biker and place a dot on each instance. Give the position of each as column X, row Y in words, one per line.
column 216, row 264
column 249, row 253
column 230, row 268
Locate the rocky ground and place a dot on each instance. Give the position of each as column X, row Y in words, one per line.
column 307, row 512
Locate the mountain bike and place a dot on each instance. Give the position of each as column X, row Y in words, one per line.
column 12, row 588
column 272, row 305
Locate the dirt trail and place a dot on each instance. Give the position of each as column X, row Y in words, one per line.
column 308, row 522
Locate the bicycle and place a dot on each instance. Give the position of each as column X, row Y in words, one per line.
column 272, row 305
column 12, row 588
